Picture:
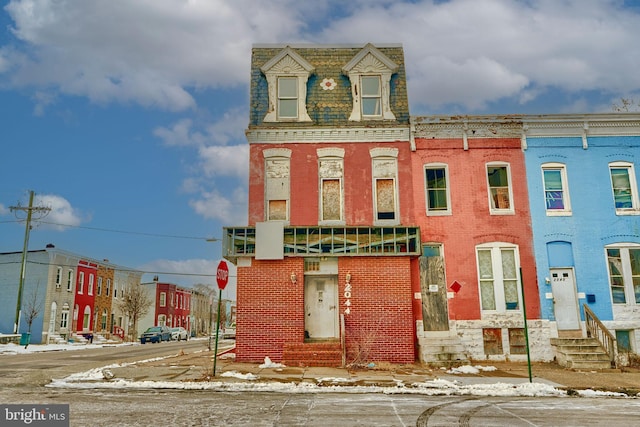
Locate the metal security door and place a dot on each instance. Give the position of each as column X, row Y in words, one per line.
column 565, row 299
column 320, row 307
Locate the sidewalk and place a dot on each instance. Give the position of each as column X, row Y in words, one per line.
column 198, row 367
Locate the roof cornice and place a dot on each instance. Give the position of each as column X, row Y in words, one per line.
column 329, row 134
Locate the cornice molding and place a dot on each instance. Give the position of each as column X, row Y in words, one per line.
column 319, row 135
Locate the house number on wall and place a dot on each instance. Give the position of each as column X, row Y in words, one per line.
column 347, row 296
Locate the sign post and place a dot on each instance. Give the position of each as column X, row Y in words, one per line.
column 222, row 278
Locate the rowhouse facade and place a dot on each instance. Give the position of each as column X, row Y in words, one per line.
column 376, row 236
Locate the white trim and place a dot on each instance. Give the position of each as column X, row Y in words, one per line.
column 447, row 211
column 497, row 211
column 635, row 203
column 566, row 211
column 316, row 135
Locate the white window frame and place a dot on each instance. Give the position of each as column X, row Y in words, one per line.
column 633, row 188
column 162, row 300
column 498, row 278
column 81, row 282
column 99, row 288
column 625, row 269
column 437, row 212
column 108, row 290
column 370, row 96
column 70, row 280
column 384, row 166
column 284, row 98
column 370, row 62
column 64, row 318
column 287, row 64
column 58, row 277
column 564, row 183
column 277, row 181
column 333, row 159
column 91, row 282
column 495, row 210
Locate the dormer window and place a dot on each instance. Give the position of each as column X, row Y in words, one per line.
column 370, row 74
column 287, row 75
column 287, row 98
column 371, row 97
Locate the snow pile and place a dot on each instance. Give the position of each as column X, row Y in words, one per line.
column 269, row 364
column 468, row 369
column 234, row 374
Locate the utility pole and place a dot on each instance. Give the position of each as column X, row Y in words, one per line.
column 42, row 212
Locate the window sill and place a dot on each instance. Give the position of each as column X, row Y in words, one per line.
column 502, row 212
column 559, row 213
column 625, row 212
column 439, row 213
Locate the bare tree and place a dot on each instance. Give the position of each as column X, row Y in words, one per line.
column 626, row 105
column 135, row 303
column 32, row 309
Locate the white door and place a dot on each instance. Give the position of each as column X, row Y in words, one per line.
column 321, row 307
column 565, row 300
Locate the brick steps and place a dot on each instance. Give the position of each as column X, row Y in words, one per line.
column 326, row 353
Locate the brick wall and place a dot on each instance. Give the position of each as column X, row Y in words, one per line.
column 379, row 327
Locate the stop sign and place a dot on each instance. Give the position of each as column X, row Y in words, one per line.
column 222, row 274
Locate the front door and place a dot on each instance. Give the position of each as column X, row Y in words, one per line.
column 321, row 307
column 435, row 310
column 565, row 299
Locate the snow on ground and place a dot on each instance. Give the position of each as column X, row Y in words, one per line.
column 103, row 378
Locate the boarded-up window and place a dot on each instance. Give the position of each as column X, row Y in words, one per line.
column 492, row 338
column 385, row 199
column 517, row 341
column 331, row 199
column 277, row 210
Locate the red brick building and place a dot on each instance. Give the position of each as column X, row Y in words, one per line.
column 324, row 265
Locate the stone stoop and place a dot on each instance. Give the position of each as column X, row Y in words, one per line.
column 442, row 350
column 580, row 353
column 326, row 354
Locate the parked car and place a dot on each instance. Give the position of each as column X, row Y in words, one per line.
column 179, row 334
column 156, row 334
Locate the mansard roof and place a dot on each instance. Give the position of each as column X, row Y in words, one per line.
column 328, row 107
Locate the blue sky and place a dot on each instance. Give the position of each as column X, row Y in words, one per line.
column 127, row 118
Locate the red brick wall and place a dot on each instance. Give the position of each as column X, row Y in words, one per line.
column 471, row 224
column 379, row 327
column 358, row 190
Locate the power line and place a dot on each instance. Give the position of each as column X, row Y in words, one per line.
column 139, row 233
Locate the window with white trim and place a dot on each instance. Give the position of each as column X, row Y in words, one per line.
column 499, row 284
column 108, row 290
column 624, row 187
column 91, row 282
column 556, row 190
column 370, row 74
column 330, row 174
column 385, row 191
column 287, row 98
column 624, row 273
column 58, row 276
column 99, row 290
column 499, row 186
column 64, row 317
column 371, row 97
column 277, row 183
column 70, row 280
column 437, row 189
column 81, row 283
column 163, row 299
column 287, row 75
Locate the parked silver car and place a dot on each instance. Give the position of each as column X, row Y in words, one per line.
column 179, row 334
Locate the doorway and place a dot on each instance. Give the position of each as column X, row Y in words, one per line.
column 565, row 299
column 321, row 307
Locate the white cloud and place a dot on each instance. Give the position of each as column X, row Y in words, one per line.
column 229, row 210
column 4, row 210
column 61, row 213
column 157, row 52
column 232, row 160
